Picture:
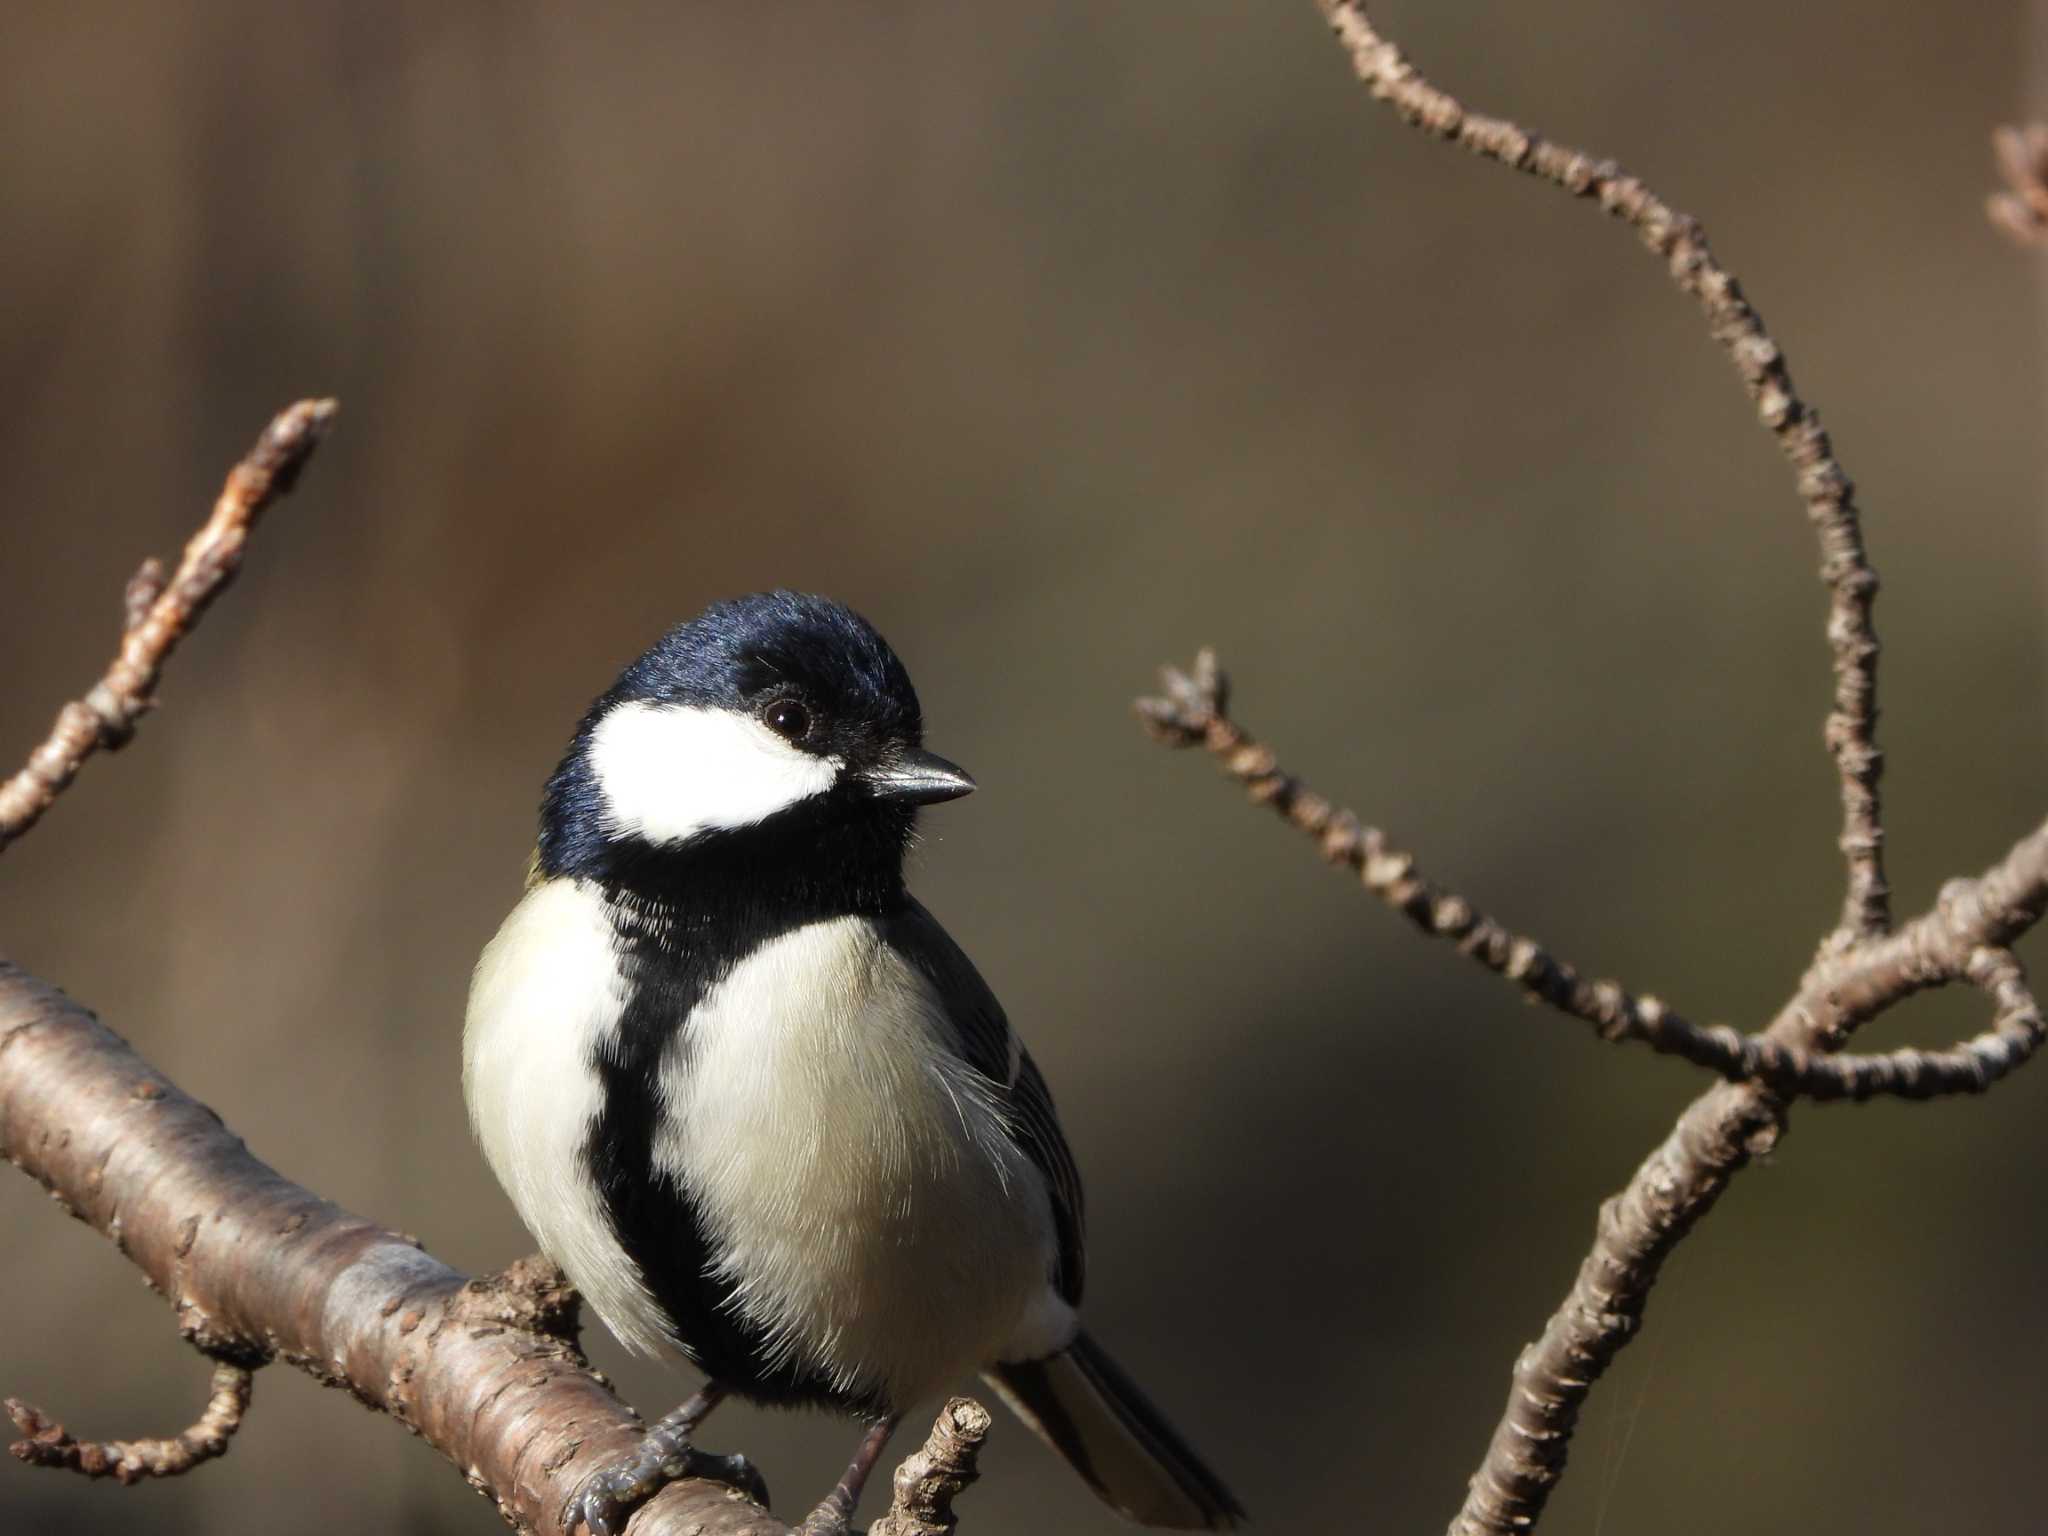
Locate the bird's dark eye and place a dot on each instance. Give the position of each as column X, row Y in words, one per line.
column 787, row 719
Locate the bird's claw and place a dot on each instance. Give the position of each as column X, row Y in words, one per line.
column 608, row 1497
column 735, row 1471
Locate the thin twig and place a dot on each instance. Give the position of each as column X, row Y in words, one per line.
column 1194, row 712
column 47, row 1443
column 159, row 614
column 931, row 1478
column 1851, row 730
column 2015, row 1034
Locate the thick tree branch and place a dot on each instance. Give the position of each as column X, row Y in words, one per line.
column 486, row 1371
column 160, row 613
column 1851, row 730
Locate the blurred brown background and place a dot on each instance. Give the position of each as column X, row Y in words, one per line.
column 1062, row 339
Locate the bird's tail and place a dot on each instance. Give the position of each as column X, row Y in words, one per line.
column 1090, row 1412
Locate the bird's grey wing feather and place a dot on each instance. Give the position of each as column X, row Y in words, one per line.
column 982, row 1038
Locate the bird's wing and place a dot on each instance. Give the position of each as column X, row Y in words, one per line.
column 982, row 1038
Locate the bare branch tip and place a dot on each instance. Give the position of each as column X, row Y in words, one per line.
column 1192, row 701
column 304, row 419
column 933, row 1476
column 1165, row 724
column 1212, row 682
column 970, row 1419
column 1200, row 690
column 281, row 452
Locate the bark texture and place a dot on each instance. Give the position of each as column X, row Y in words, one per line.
column 258, row 1268
column 928, row 1481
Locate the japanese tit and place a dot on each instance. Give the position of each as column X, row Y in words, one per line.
column 758, row 1105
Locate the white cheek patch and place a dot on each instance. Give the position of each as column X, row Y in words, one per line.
column 670, row 771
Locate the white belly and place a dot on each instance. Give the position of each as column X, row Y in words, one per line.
column 545, row 992
column 856, row 1182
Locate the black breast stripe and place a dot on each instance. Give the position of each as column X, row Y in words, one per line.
column 681, row 931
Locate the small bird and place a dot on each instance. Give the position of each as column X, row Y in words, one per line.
column 756, row 1102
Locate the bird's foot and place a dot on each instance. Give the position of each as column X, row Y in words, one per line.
column 832, row 1517
column 609, row 1496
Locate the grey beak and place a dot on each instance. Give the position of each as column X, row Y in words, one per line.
column 919, row 778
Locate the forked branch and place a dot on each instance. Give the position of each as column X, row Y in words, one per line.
column 1863, row 968
column 1194, row 711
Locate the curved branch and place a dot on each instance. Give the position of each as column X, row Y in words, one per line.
column 2015, row 1034
column 47, row 1443
column 160, row 613
column 1851, row 730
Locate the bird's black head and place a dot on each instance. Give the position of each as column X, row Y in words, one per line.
column 772, row 735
